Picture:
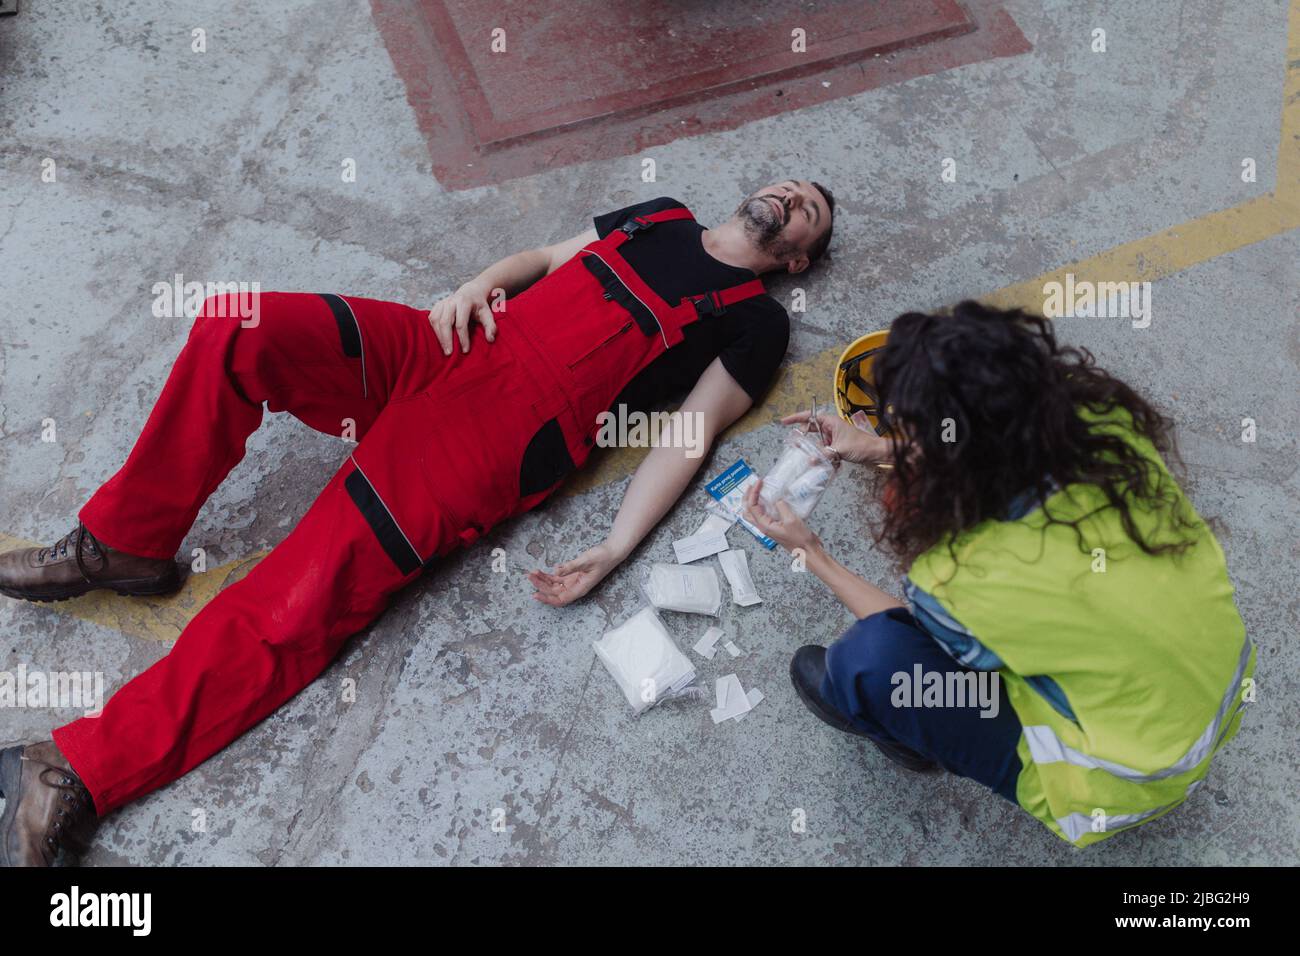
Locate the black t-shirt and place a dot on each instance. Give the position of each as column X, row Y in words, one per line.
column 750, row 337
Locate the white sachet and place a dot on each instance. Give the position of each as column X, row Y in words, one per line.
column 683, row 587
column 699, row 545
column 735, row 565
column 716, row 518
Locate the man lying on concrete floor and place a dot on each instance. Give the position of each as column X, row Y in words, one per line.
column 455, row 434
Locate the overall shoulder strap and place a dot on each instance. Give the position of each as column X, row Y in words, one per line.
column 715, row 303
column 671, row 318
column 641, row 223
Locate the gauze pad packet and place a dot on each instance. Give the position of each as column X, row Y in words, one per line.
column 683, row 587
column 643, row 660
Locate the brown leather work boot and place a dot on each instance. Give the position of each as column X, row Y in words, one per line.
column 78, row 563
column 49, row 816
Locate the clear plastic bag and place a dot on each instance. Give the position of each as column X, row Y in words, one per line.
column 801, row 474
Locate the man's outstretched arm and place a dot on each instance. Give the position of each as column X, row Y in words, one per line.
column 715, row 402
column 513, row 274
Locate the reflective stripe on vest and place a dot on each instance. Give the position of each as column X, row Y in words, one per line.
column 1076, row 826
column 1046, row 747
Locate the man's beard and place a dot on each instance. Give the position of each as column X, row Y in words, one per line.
column 763, row 226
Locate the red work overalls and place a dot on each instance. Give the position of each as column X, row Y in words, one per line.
column 448, row 446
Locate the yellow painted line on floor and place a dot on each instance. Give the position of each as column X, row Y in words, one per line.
column 1288, row 154
column 1150, row 258
column 155, row 618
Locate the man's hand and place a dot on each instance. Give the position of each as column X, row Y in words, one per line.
column 855, row 443
column 468, row 302
column 575, row 578
column 782, row 525
column 511, row 275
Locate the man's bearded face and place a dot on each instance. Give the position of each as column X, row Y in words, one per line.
column 764, row 216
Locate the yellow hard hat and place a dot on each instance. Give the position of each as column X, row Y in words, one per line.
column 854, row 385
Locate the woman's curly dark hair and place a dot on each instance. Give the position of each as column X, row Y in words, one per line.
column 1013, row 397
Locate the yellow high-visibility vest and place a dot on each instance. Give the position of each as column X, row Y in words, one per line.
column 1149, row 651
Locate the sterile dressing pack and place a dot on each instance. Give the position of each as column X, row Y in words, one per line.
column 644, row 661
column 691, row 588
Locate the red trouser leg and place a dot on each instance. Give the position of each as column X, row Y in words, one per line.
column 253, row 647
column 293, row 355
column 264, row 638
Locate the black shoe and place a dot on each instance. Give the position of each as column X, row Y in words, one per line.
column 807, row 669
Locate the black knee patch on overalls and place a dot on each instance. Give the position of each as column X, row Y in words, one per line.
column 546, row 460
column 349, row 331
column 381, row 521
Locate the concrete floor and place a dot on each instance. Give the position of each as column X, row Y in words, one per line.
column 471, row 697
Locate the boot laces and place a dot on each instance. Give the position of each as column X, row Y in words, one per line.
column 81, row 541
column 60, row 834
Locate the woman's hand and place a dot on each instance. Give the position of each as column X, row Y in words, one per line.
column 468, row 302
column 575, row 578
column 856, row 443
column 782, row 525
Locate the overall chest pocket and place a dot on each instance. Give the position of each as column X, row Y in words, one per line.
column 615, row 291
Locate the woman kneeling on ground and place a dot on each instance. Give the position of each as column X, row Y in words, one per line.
column 1070, row 638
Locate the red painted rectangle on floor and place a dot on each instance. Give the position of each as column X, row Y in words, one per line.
column 504, row 88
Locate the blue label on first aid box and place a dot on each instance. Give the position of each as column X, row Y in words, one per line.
column 729, row 490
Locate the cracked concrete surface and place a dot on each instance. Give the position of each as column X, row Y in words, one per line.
column 471, row 699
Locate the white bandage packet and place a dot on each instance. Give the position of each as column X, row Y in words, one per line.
column 699, row 545
column 683, row 587
column 716, row 518
column 644, row 661
column 735, row 565
column 801, row 474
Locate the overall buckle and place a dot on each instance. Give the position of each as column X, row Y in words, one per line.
column 635, row 225
column 710, row 304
